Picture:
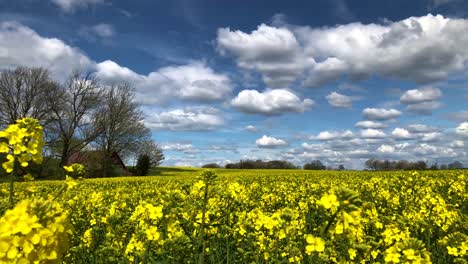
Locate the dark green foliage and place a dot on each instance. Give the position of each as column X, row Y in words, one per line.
column 211, row 166
column 314, row 165
column 259, row 164
column 143, row 165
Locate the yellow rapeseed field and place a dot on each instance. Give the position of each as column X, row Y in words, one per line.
column 228, row 216
column 240, row 216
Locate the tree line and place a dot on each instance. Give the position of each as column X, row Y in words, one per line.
column 79, row 114
column 371, row 164
column 375, row 164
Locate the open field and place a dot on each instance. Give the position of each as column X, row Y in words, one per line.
column 248, row 216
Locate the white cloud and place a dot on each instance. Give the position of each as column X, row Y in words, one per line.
column 462, row 129
column 401, row 133
column 251, row 128
column 270, row 102
column 197, row 119
column 422, row 100
column 420, row 95
column 432, row 136
column 421, row 128
column 372, row 133
column 340, row 100
column 193, row 82
column 332, row 135
column 386, row 149
column 459, row 116
column 424, row 107
column 457, row 144
column 72, row 5
column 100, row 30
column 272, row 51
column 20, row 45
column 182, row 147
column 270, row 142
column 104, row 30
column 370, row 124
column 380, row 113
column 421, row 49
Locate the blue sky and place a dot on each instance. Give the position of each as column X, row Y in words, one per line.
column 339, row 81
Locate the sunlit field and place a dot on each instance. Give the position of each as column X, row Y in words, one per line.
column 185, row 215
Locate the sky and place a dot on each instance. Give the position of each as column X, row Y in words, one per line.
column 340, row 81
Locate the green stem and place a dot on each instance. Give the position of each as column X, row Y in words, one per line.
column 12, row 180
column 201, row 259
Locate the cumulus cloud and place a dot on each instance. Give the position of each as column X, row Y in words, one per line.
column 421, row 128
column 370, row 124
column 270, row 102
column 192, row 82
column 386, row 149
column 340, row 100
column 20, row 45
column 251, row 128
column 433, row 136
column 380, row 113
column 420, row 95
column 422, row 100
column 275, row 52
column 401, row 133
column 72, row 5
column 420, row 49
column 182, row 147
column 462, row 129
column 372, row 133
column 332, row 135
column 189, row 119
column 457, row 144
column 270, row 142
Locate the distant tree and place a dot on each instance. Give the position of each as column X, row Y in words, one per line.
column 420, row 165
column 314, row 165
column 23, row 93
column 341, row 167
column 143, row 165
column 211, row 166
column 371, row 164
column 153, row 151
column 120, row 122
column 443, row 167
column 434, row 166
column 72, row 108
column 455, row 165
column 259, row 164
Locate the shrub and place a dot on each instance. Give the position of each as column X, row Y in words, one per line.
column 143, row 165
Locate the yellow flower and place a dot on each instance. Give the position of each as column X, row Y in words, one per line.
column 314, row 244
column 329, row 201
column 452, row 251
column 4, row 147
column 352, row 253
column 70, row 182
column 68, row 168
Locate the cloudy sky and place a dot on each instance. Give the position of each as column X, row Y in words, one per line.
column 336, row 80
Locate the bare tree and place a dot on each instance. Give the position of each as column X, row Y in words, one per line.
column 120, row 121
column 23, row 93
column 152, row 150
column 73, row 108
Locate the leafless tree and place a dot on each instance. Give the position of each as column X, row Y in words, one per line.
column 23, row 93
column 73, row 108
column 152, row 150
column 120, row 121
